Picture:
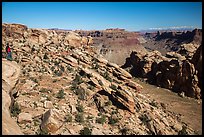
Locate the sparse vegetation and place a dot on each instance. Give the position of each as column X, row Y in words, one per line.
column 60, row 94
column 45, row 56
column 68, row 118
column 58, row 73
column 42, row 132
column 69, row 68
column 15, row 110
column 144, row 118
column 34, row 79
column 90, row 87
column 78, row 79
column 108, row 103
column 183, row 131
column 85, row 131
column 79, row 118
column 44, row 90
column 113, row 120
column 106, row 76
column 101, row 120
column 124, row 131
column 153, row 103
column 114, row 87
column 81, row 93
column 80, row 108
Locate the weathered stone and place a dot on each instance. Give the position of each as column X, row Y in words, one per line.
column 48, row 104
column 51, row 121
column 24, row 118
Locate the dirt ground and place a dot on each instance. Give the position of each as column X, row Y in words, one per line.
column 189, row 109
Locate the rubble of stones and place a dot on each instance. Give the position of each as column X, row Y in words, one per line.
column 179, row 71
column 65, row 88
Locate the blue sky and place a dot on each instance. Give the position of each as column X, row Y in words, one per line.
column 132, row 16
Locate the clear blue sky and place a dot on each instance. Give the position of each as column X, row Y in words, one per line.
column 132, row 16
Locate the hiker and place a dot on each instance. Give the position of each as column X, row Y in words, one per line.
column 8, row 51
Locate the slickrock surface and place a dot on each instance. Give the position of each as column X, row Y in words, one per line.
column 65, row 87
column 10, row 74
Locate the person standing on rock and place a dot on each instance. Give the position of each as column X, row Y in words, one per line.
column 8, row 51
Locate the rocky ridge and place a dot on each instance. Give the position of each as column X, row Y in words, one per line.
column 67, row 88
column 166, row 41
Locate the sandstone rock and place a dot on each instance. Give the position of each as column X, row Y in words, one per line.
column 10, row 74
column 51, row 121
column 48, row 104
column 24, row 117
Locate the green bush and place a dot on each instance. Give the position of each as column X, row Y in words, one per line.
column 79, row 118
column 101, row 120
column 78, row 79
column 15, row 110
column 113, row 121
column 80, row 108
column 68, row 118
column 183, row 131
column 44, row 90
column 42, row 132
column 81, row 93
column 124, row 131
column 144, row 118
column 114, row 87
column 61, row 94
column 108, row 103
column 85, row 131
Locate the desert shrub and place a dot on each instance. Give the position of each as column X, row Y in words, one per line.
column 144, row 118
column 80, row 108
column 114, row 87
column 45, row 56
column 183, row 131
column 113, row 120
column 101, row 120
column 74, row 86
column 85, row 131
column 44, row 90
column 107, row 77
column 90, row 87
column 79, row 118
column 68, row 118
column 124, row 131
column 62, row 68
column 89, row 117
column 108, row 103
column 15, row 110
column 153, row 103
column 58, row 72
column 61, row 94
column 42, row 132
column 80, row 92
column 69, row 68
column 34, row 79
column 78, row 79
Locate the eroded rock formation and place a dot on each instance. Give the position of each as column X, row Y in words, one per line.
column 173, row 71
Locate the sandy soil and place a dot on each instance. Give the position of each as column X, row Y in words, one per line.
column 189, row 109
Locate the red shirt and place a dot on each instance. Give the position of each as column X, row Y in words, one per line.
column 8, row 50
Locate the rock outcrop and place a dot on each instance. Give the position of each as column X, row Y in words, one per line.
column 173, row 71
column 10, row 74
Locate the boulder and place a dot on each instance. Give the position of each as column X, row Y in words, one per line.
column 51, row 121
column 24, row 118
